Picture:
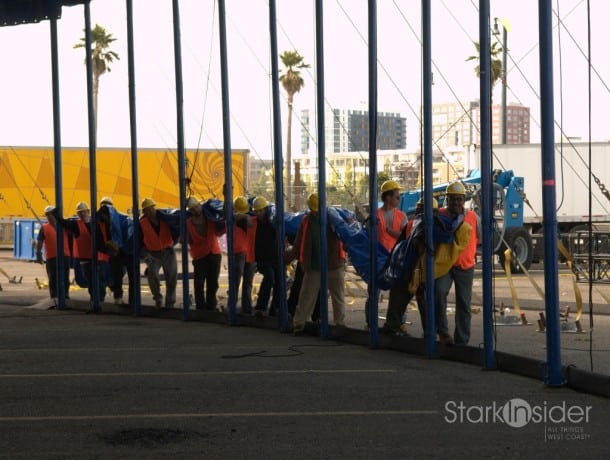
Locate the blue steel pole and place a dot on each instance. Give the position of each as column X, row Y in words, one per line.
column 430, row 332
column 372, row 290
column 91, row 117
column 549, row 215
column 322, row 167
column 277, row 154
column 504, row 82
column 181, row 158
column 486, row 186
column 136, row 296
column 61, row 296
column 226, row 135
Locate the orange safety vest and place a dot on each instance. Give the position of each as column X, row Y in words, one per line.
column 101, row 255
column 152, row 240
column 240, row 240
column 387, row 240
column 466, row 260
column 82, row 246
column 50, row 241
column 199, row 245
column 409, row 227
column 304, row 229
column 251, row 239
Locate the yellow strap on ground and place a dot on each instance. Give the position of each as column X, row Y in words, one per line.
column 4, row 273
column 604, row 296
column 509, row 277
column 564, row 251
column 577, row 296
column 529, row 277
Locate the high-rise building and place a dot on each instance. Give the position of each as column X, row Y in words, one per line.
column 517, row 124
column 348, row 131
column 457, row 124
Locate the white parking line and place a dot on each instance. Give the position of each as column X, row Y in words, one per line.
column 358, row 413
column 198, row 373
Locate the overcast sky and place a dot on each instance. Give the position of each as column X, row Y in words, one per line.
column 25, row 89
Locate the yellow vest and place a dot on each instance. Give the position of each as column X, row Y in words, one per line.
column 445, row 256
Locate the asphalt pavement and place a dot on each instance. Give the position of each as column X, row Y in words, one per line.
column 115, row 385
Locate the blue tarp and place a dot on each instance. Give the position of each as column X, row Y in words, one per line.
column 351, row 232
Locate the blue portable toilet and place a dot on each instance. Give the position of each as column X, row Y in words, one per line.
column 25, row 234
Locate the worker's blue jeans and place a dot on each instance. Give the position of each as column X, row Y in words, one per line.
column 463, row 297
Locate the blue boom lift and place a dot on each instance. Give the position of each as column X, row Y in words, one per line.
column 509, row 231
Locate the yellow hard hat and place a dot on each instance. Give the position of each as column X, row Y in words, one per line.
column 240, row 205
column 49, row 209
column 191, row 203
column 456, row 188
column 390, row 185
column 147, row 203
column 106, row 200
column 82, row 206
column 434, row 203
column 259, row 203
column 313, row 202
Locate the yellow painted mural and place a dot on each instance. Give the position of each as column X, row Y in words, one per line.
column 27, row 177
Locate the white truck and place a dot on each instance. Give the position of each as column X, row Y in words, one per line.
column 576, row 166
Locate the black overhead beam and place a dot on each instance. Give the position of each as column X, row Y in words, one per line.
column 15, row 12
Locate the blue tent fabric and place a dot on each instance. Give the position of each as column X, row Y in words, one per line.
column 444, row 227
column 213, row 209
column 172, row 218
column 402, row 260
column 121, row 228
column 354, row 236
column 356, row 241
column 404, row 256
column 292, row 223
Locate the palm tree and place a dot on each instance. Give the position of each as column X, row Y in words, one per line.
column 291, row 80
column 101, row 57
column 496, row 63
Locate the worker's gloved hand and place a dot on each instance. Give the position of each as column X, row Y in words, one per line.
column 112, row 248
column 39, row 257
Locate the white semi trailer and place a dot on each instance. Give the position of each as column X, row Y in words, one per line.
column 582, row 172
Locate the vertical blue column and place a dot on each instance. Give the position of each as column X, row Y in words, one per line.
column 278, row 160
column 372, row 288
column 181, row 158
column 61, row 296
column 322, row 167
column 92, row 127
column 226, row 133
column 486, row 186
column 136, row 295
column 549, row 215
column 430, row 332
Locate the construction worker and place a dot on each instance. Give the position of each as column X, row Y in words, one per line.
column 158, row 242
column 47, row 238
column 106, row 201
column 243, row 248
column 307, row 248
column 266, row 257
column 117, row 229
column 390, row 223
column 205, row 252
column 461, row 273
column 399, row 294
column 82, row 247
